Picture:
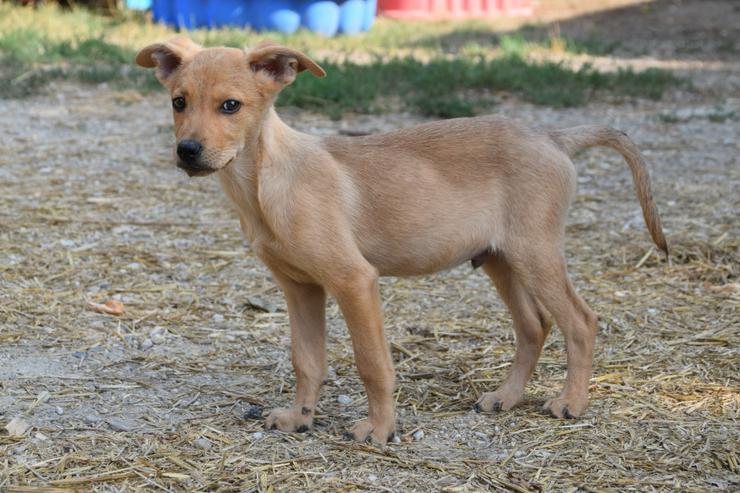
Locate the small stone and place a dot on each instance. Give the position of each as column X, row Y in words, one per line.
column 218, row 318
column 17, row 427
column 146, row 344
column 92, row 419
column 257, row 435
column 372, row 477
column 254, row 412
column 118, row 424
column 519, row 453
column 257, row 303
column 67, row 243
column 41, row 437
column 418, row 435
column 481, row 435
column 396, row 438
column 203, row 443
column 158, row 335
column 59, row 410
column 344, row 399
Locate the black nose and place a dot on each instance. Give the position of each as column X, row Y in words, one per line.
column 189, row 150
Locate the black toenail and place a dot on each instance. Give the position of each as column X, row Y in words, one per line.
column 566, row 413
column 273, row 427
column 497, row 406
column 302, row 429
column 477, row 408
column 368, row 439
column 348, row 436
column 254, row 412
column 392, row 436
column 305, row 410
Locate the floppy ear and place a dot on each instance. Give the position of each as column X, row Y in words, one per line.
column 168, row 56
column 276, row 66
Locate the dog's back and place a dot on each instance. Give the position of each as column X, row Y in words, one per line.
column 434, row 195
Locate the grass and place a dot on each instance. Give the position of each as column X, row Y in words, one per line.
column 449, row 88
column 437, row 69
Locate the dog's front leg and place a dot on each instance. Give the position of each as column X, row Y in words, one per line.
column 358, row 297
column 306, row 305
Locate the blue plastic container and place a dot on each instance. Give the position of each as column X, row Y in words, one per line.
column 230, row 13
column 324, row 17
column 351, row 16
column 321, row 17
column 281, row 15
column 371, row 7
column 191, row 14
column 139, row 4
column 163, row 11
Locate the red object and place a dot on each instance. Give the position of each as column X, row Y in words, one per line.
column 453, row 9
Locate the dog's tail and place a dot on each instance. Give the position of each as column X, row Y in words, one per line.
column 573, row 139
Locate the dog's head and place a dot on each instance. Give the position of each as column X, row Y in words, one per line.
column 220, row 96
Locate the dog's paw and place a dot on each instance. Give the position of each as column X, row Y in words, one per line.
column 566, row 408
column 496, row 401
column 290, row 419
column 369, row 431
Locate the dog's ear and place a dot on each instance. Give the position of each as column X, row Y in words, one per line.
column 168, row 56
column 276, row 66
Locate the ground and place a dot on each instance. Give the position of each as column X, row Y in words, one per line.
column 163, row 397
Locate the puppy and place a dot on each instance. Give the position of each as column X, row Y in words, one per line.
column 328, row 215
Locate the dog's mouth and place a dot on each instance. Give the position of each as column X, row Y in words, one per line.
column 195, row 169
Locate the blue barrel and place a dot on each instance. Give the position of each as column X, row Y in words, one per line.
column 230, row 13
column 371, row 6
column 321, row 17
column 351, row 16
column 139, row 4
column 191, row 14
column 276, row 15
column 163, row 11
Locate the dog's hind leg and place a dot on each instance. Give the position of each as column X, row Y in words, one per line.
column 306, row 306
column 531, row 326
column 540, row 264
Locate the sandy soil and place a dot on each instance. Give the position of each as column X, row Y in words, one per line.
column 92, row 208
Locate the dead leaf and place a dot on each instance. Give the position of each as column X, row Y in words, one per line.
column 110, row 307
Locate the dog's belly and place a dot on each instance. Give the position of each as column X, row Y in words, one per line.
column 417, row 263
column 430, row 240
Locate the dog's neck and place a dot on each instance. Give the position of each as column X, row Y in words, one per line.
column 275, row 150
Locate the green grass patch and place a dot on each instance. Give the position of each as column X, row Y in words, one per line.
column 462, row 87
column 437, row 69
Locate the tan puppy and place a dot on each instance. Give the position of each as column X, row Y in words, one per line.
column 330, row 215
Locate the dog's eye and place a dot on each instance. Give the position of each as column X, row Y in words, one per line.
column 230, row 106
column 178, row 103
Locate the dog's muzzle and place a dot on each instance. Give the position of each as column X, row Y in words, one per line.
column 189, row 153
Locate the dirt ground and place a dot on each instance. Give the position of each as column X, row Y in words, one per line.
column 92, row 209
